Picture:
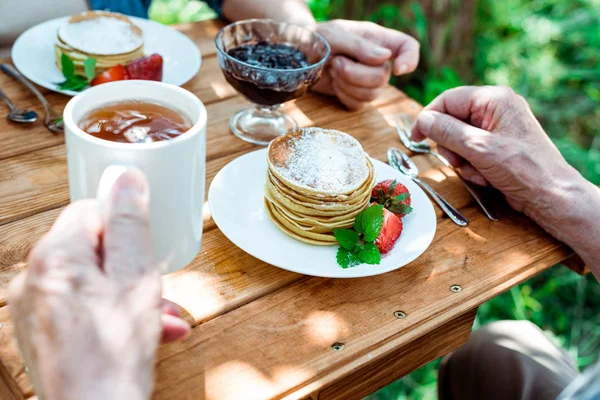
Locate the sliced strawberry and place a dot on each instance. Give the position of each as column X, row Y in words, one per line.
column 148, row 68
column 116, row 73
column 390, row 232
column 392, row 195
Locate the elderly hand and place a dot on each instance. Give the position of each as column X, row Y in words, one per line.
column 359, row 63
column 492, row 135
column 88, row 309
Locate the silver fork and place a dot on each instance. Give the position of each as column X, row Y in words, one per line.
column 52, row 120
column 404, row 164
column 424, row 148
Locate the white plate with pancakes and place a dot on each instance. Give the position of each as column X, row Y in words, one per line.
column 34, row 52
column 248, row 205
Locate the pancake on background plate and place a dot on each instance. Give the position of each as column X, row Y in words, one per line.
column 317, row 180
column 110, row 38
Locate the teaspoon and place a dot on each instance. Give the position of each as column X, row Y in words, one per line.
column 17, row 114
column 52, row 120
column 404, row 164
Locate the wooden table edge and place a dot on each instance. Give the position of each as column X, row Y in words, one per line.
column 398, row 343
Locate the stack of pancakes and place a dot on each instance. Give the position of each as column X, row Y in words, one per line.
column 110, row 38
column 317, row 180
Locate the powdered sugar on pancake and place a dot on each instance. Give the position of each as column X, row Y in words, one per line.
column 102, row 35
column 325, row 161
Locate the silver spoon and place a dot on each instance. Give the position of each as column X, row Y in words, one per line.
column 424, row 148
column 17, row 114
column 402, row 162
column 52, row 120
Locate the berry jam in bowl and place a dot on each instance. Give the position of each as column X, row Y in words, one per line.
column 269, row 63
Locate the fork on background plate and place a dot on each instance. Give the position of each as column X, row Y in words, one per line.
column 404, row 124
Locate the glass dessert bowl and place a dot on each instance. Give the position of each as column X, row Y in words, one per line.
column 269, row 63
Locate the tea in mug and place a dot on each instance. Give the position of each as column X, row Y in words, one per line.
column 135, row 122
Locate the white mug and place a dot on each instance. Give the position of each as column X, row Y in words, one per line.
column 175, row 168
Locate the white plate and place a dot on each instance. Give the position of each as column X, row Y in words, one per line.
column 33, row 53
column 236, row 203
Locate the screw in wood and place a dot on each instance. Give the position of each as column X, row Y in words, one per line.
column 337, row 346
column 455, row 288
column 400, row 314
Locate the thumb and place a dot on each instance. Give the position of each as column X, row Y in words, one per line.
column 127, row 243
column 465, row 140
column 357, row 47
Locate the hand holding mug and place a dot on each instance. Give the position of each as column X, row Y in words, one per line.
column 174, row 167
column 88, row 310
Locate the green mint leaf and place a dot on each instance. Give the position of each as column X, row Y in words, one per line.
column 346, row 259
column 67, row 66
column 358, row 222
column 346, row 237
column 402, row 197
column 370, row 254
column 67, row 85
column 371, row 222
column 75, row 83
column 359, row 246
column 89, row 66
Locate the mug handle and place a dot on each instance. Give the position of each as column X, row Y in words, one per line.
column 107, row 181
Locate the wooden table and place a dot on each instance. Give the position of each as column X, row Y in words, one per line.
column 260, row 331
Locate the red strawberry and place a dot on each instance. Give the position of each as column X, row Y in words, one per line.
column 393, row 196
column 147, row 68
column 390, row 232
column 116, row 73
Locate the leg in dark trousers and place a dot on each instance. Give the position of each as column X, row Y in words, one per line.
column 506, row 360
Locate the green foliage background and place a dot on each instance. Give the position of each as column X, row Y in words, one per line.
column 549, row 52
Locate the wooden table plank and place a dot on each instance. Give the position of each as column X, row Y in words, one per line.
column 32, row 183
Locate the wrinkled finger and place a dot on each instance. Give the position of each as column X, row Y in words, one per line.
column 324, row 85
column 350, row 102
column 455, row 135
column 407, row 59
column 72, row 246
column 127, row 243
column 174, row 328
column 361, row 75
column 467, row 103
column 342, row 41
column 405, row 49
column 470, row 173
column 357, row 92
column 454, row 159
column 168, row 307
column 467, row 170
